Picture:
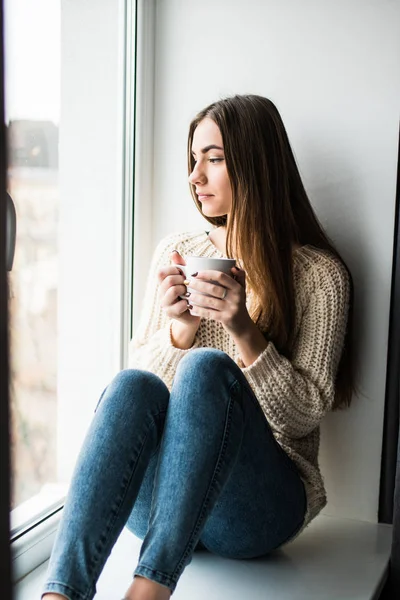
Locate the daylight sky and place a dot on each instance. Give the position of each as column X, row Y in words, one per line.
column 32, row 59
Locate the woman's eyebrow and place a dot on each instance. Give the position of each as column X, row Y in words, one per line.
column 210, row 147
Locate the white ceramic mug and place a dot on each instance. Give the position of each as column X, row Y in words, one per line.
column 194, row 264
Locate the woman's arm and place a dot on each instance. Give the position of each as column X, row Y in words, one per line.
column 295, row 394
column 152, row 347
column 183, row 335
column 251, row 343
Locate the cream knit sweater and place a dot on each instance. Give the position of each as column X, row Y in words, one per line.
column 294, row 395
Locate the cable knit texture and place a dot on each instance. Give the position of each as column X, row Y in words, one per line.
column 294, row 395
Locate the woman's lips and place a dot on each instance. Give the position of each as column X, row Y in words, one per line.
column 204, row 196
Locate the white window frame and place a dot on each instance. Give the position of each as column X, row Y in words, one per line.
column 32, row 537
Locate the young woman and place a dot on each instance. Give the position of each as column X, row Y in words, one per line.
column 210, row 439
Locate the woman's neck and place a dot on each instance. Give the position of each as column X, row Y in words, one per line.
column 218, row 238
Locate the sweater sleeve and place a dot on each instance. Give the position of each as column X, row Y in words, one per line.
column 295, row 394
column 151, row 348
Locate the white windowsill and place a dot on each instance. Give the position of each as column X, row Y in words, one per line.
column 328, row 561
column 50, row 498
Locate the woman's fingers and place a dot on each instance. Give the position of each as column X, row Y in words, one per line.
column 223, row 292
column 170, row 281
column 215, row 276
column 176, row 310
column 168, row 271
column 239, row 276
column 177, row 258
column 172, row 295
column 170, row 288
column 205, row 284
column 208, row 302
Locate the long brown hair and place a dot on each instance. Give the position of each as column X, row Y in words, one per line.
column 274, row 212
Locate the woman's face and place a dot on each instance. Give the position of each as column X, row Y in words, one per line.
column 209, row 175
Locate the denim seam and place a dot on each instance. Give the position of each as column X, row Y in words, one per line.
column 162, row 412
column 217, row 469
column 164, row 576
column 144, row 566
column 68, row 588
column 133, row 462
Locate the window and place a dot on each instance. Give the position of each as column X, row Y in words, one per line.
column 69, row 131
column 32, row 122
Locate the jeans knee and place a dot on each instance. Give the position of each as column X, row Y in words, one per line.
column 131, row 380
column 204, row 359
column 204, row 374
column 131, row 386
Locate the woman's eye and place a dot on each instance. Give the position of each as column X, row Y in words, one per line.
column 215, row 160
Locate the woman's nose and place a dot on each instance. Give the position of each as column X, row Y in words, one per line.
column 197, row 175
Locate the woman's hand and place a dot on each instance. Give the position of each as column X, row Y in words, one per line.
column 226, row 302
column 171, row 287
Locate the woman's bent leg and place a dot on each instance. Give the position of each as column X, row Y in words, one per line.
column 263, row 504
column 123, row 435
column 202, row 436
column 223, row 481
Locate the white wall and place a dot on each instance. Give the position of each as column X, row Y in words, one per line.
column 332, row 70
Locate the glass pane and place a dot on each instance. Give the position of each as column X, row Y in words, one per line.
column 32, row 34
column 65, row 178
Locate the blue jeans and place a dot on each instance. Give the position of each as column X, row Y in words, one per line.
column 197, row 467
